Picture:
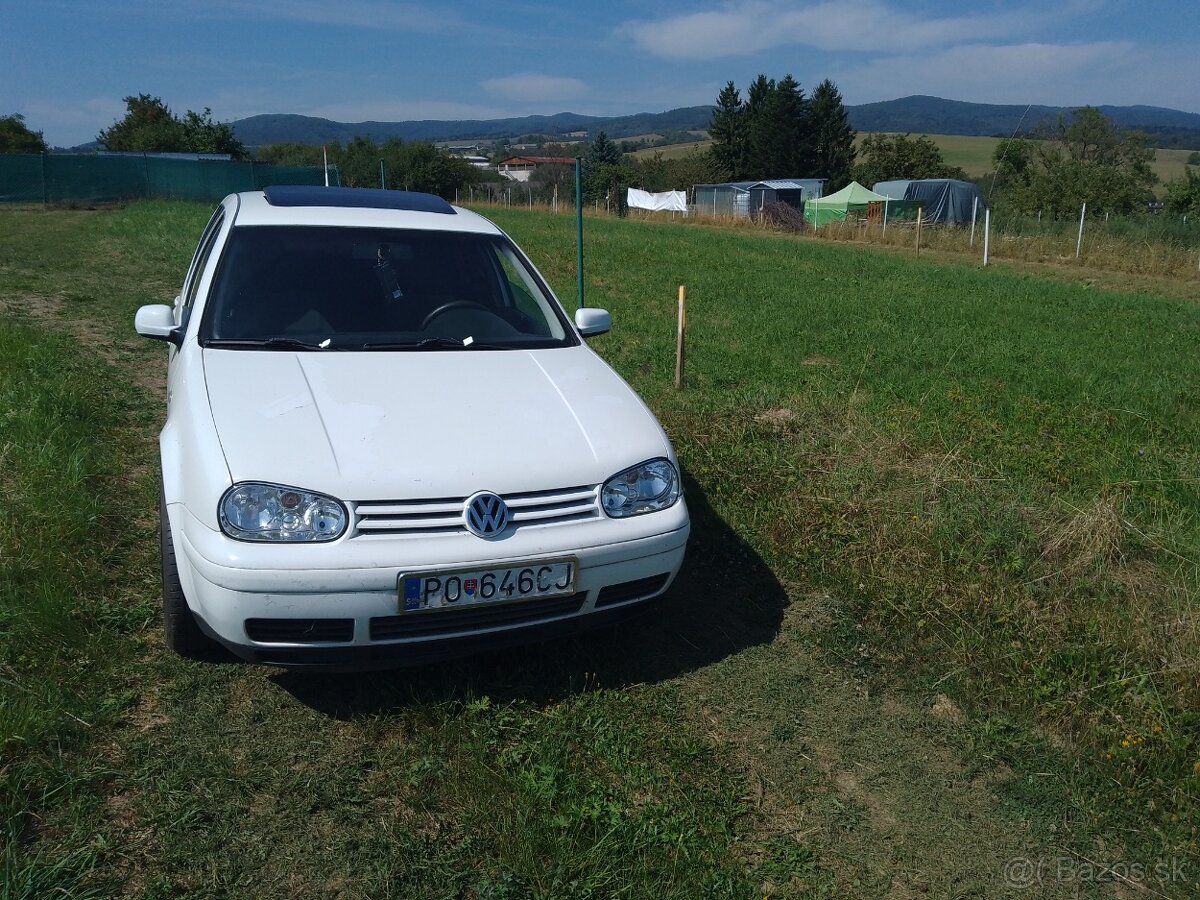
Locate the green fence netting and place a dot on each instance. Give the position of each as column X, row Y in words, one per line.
column 49, row 178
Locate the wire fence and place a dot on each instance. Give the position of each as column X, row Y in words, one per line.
column 61, row 179
column 1157, row 246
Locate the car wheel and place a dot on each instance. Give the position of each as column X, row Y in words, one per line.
column 181, row 633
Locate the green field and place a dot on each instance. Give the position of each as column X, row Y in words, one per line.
column 939, row 610
column 974, row 156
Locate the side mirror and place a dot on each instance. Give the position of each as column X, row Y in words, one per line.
column 158, row 322
column 591, row 322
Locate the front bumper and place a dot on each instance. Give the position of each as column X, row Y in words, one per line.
column 339, row 607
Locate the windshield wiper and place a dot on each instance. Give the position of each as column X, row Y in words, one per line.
column 434, row 343
column 275, row 343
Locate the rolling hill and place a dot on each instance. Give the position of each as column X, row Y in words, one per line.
column 917, row 114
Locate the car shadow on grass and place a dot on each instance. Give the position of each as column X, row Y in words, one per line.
column 725, row 600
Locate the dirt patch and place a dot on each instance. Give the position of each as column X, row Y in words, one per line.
column 147, row 713
column 945, row 708
column 775, row 417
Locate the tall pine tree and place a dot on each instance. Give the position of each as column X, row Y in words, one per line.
column 728, row 132
column 768, row 136
column 790, row 152
column 832, row 137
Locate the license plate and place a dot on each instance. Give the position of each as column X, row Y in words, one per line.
column 473, row 587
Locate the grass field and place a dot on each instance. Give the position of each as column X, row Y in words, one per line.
column 974, row 156
column 939, row 610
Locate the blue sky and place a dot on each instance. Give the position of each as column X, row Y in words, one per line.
column 68, row 64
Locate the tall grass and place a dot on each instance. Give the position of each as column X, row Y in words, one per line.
column 1159, row 246
column 59, row 473
column 995, row 471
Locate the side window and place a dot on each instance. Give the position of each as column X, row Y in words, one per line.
column 517, row 290
column 207, row 241
column 524, row 294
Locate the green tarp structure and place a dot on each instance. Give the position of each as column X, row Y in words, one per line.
column 834, row 208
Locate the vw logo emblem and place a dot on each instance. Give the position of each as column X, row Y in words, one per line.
column 486, row 514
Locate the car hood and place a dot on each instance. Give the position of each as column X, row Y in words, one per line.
column 394, row 425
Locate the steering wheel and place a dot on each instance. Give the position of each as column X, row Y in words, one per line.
column 453, row 305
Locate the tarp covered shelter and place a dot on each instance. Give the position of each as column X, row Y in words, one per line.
column 943, row 201
column 834, row 208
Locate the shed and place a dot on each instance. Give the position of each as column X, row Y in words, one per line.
column 738, row 198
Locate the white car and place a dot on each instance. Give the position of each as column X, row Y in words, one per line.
column 386, row 442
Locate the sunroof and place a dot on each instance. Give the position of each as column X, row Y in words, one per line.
column 359, row 198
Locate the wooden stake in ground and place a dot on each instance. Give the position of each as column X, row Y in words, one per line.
column 679, row 352
column 920, row 215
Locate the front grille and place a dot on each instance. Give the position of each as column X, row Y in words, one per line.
column 419, row 518
column 299, row 631
column 436, row 622
column 630, row 590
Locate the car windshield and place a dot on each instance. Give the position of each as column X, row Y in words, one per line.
column 335, row 288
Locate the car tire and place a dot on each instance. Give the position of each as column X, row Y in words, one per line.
column 181, row 633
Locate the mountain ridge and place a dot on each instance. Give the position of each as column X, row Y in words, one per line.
column 914, row 114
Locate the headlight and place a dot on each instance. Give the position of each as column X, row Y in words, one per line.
column 252, row 511
column 648, row 487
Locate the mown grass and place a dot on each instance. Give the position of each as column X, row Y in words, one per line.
column 997, row 470
column 908, row 478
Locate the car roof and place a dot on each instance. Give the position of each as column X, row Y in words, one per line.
column 354, row 208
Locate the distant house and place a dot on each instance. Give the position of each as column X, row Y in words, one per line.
column 519, row 168
column 471, row 153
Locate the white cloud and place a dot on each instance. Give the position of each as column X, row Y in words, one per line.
column 531, row 87
column 750, row 26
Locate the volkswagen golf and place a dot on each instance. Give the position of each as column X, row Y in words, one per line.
column 386, row 442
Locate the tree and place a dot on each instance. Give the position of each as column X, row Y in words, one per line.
column 149, row 126
column 1084, row 158
column 605, row 176
column 16, row 136
column 202, row 135
column 770, row 135
column 832, row 137
column 550, row 181
column 1183, row 194
column 778, row 129
column 291, row 154
column 887, row 157
column 602, row 151
column 413, row 166
column 1194, row 158
column 727, row 128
